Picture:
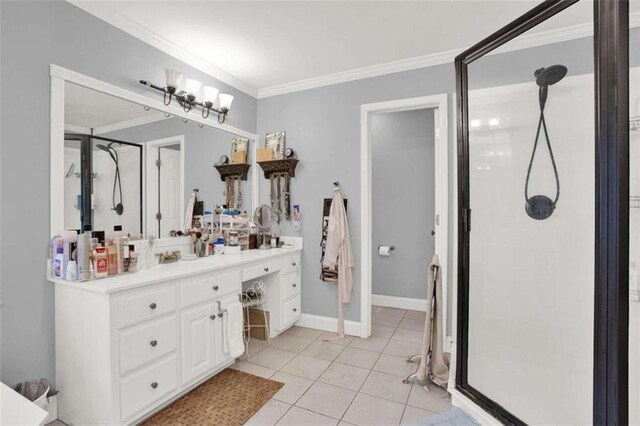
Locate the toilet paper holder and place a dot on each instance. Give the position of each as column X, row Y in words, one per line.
column 391, row 248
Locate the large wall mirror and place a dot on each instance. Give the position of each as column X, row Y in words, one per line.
column 121, row 159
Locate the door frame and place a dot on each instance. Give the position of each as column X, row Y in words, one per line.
column 440, row 103
column 611, row 251
column 158, row 143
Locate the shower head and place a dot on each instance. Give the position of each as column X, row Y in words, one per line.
column 106, row 148
column 550, row 75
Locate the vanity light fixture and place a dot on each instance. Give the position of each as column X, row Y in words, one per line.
column 188, row 97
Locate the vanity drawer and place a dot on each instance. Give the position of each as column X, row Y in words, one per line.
column 291, row 263
column 148, row 386
column 291, row 311
column 145, row 343
column 290, row 285
column 146, row 305
column 209, row 286
column 260, row 270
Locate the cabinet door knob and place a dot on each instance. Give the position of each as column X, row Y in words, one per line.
column 295, row 309
column 212, row 317
column 215, row 287
column 293, row 264
column 221, row 314
column 154, row 385
column 294, row 285
column 266, row 269
column 153, row 306
column 153, row 343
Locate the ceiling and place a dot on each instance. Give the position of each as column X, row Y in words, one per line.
column 269, row 43
column 89, row 109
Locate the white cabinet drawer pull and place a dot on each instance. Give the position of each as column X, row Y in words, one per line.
column 216, row 288
column 153, row 306
column 154, row 385
column 153, row 343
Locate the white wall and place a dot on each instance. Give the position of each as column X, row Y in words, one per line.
column 531, row 282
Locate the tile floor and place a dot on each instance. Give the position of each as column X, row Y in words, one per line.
column 347, row 381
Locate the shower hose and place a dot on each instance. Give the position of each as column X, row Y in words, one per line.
column 542, row 125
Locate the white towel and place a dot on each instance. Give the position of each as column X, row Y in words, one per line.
column 188, row 217
column 232, row 342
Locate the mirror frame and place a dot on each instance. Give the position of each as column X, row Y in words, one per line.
column 59, row 76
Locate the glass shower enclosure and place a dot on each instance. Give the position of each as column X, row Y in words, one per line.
column 543, row 198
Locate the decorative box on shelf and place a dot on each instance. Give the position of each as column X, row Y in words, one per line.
column 233, row 170
column 237, row 223
column 287, row 165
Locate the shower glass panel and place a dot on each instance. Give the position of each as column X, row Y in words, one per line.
column 634, row 221
column 532, row 201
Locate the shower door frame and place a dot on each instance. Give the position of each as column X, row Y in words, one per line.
column 611, row 251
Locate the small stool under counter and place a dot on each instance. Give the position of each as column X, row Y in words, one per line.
column 129, row 345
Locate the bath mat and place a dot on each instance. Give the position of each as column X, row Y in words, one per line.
column 453, row 417
column 229, row 398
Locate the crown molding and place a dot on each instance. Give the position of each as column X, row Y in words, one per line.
column 147, row 119
column 140, row 32
column 76, row 129
column 524, row 42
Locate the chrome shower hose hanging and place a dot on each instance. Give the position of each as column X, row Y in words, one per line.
column 117, row 207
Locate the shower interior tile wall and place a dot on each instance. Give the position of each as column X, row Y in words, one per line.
column 104, row 169
column 514, row 343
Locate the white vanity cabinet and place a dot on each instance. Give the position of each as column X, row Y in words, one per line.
column 129, row 345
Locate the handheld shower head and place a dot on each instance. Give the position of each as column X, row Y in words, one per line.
column 550, row 75
column 117, row 207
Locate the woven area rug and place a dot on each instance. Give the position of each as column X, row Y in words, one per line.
column 229, row 398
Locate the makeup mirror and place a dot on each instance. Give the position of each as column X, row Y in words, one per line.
column 119, row 158
column 263, row 218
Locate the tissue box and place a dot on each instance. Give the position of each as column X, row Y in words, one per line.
column 264, row 154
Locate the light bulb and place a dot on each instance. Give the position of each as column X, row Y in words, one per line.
column 225, row 101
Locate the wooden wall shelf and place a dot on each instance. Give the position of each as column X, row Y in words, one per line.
column 229, row 170
column 279, row 166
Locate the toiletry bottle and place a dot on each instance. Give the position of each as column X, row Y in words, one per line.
column 133, row 260
column 84, row 254
column 101, row 268
column 126, row 255
column 72, row 271
column 70, row 237
column 117, row 241
column 112, row 258
column 56, row 242
column 58, row 262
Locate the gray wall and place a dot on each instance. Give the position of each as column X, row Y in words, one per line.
column 203, row 147
column 33, row 35
column 402, row 158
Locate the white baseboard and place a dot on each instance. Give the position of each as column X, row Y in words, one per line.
column 352, row 328
column 399, row 302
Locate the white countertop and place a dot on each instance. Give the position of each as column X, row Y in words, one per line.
column 180, row 269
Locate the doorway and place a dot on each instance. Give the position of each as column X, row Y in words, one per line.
column 403, row 219
column 388, row 117
column 165, row 185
